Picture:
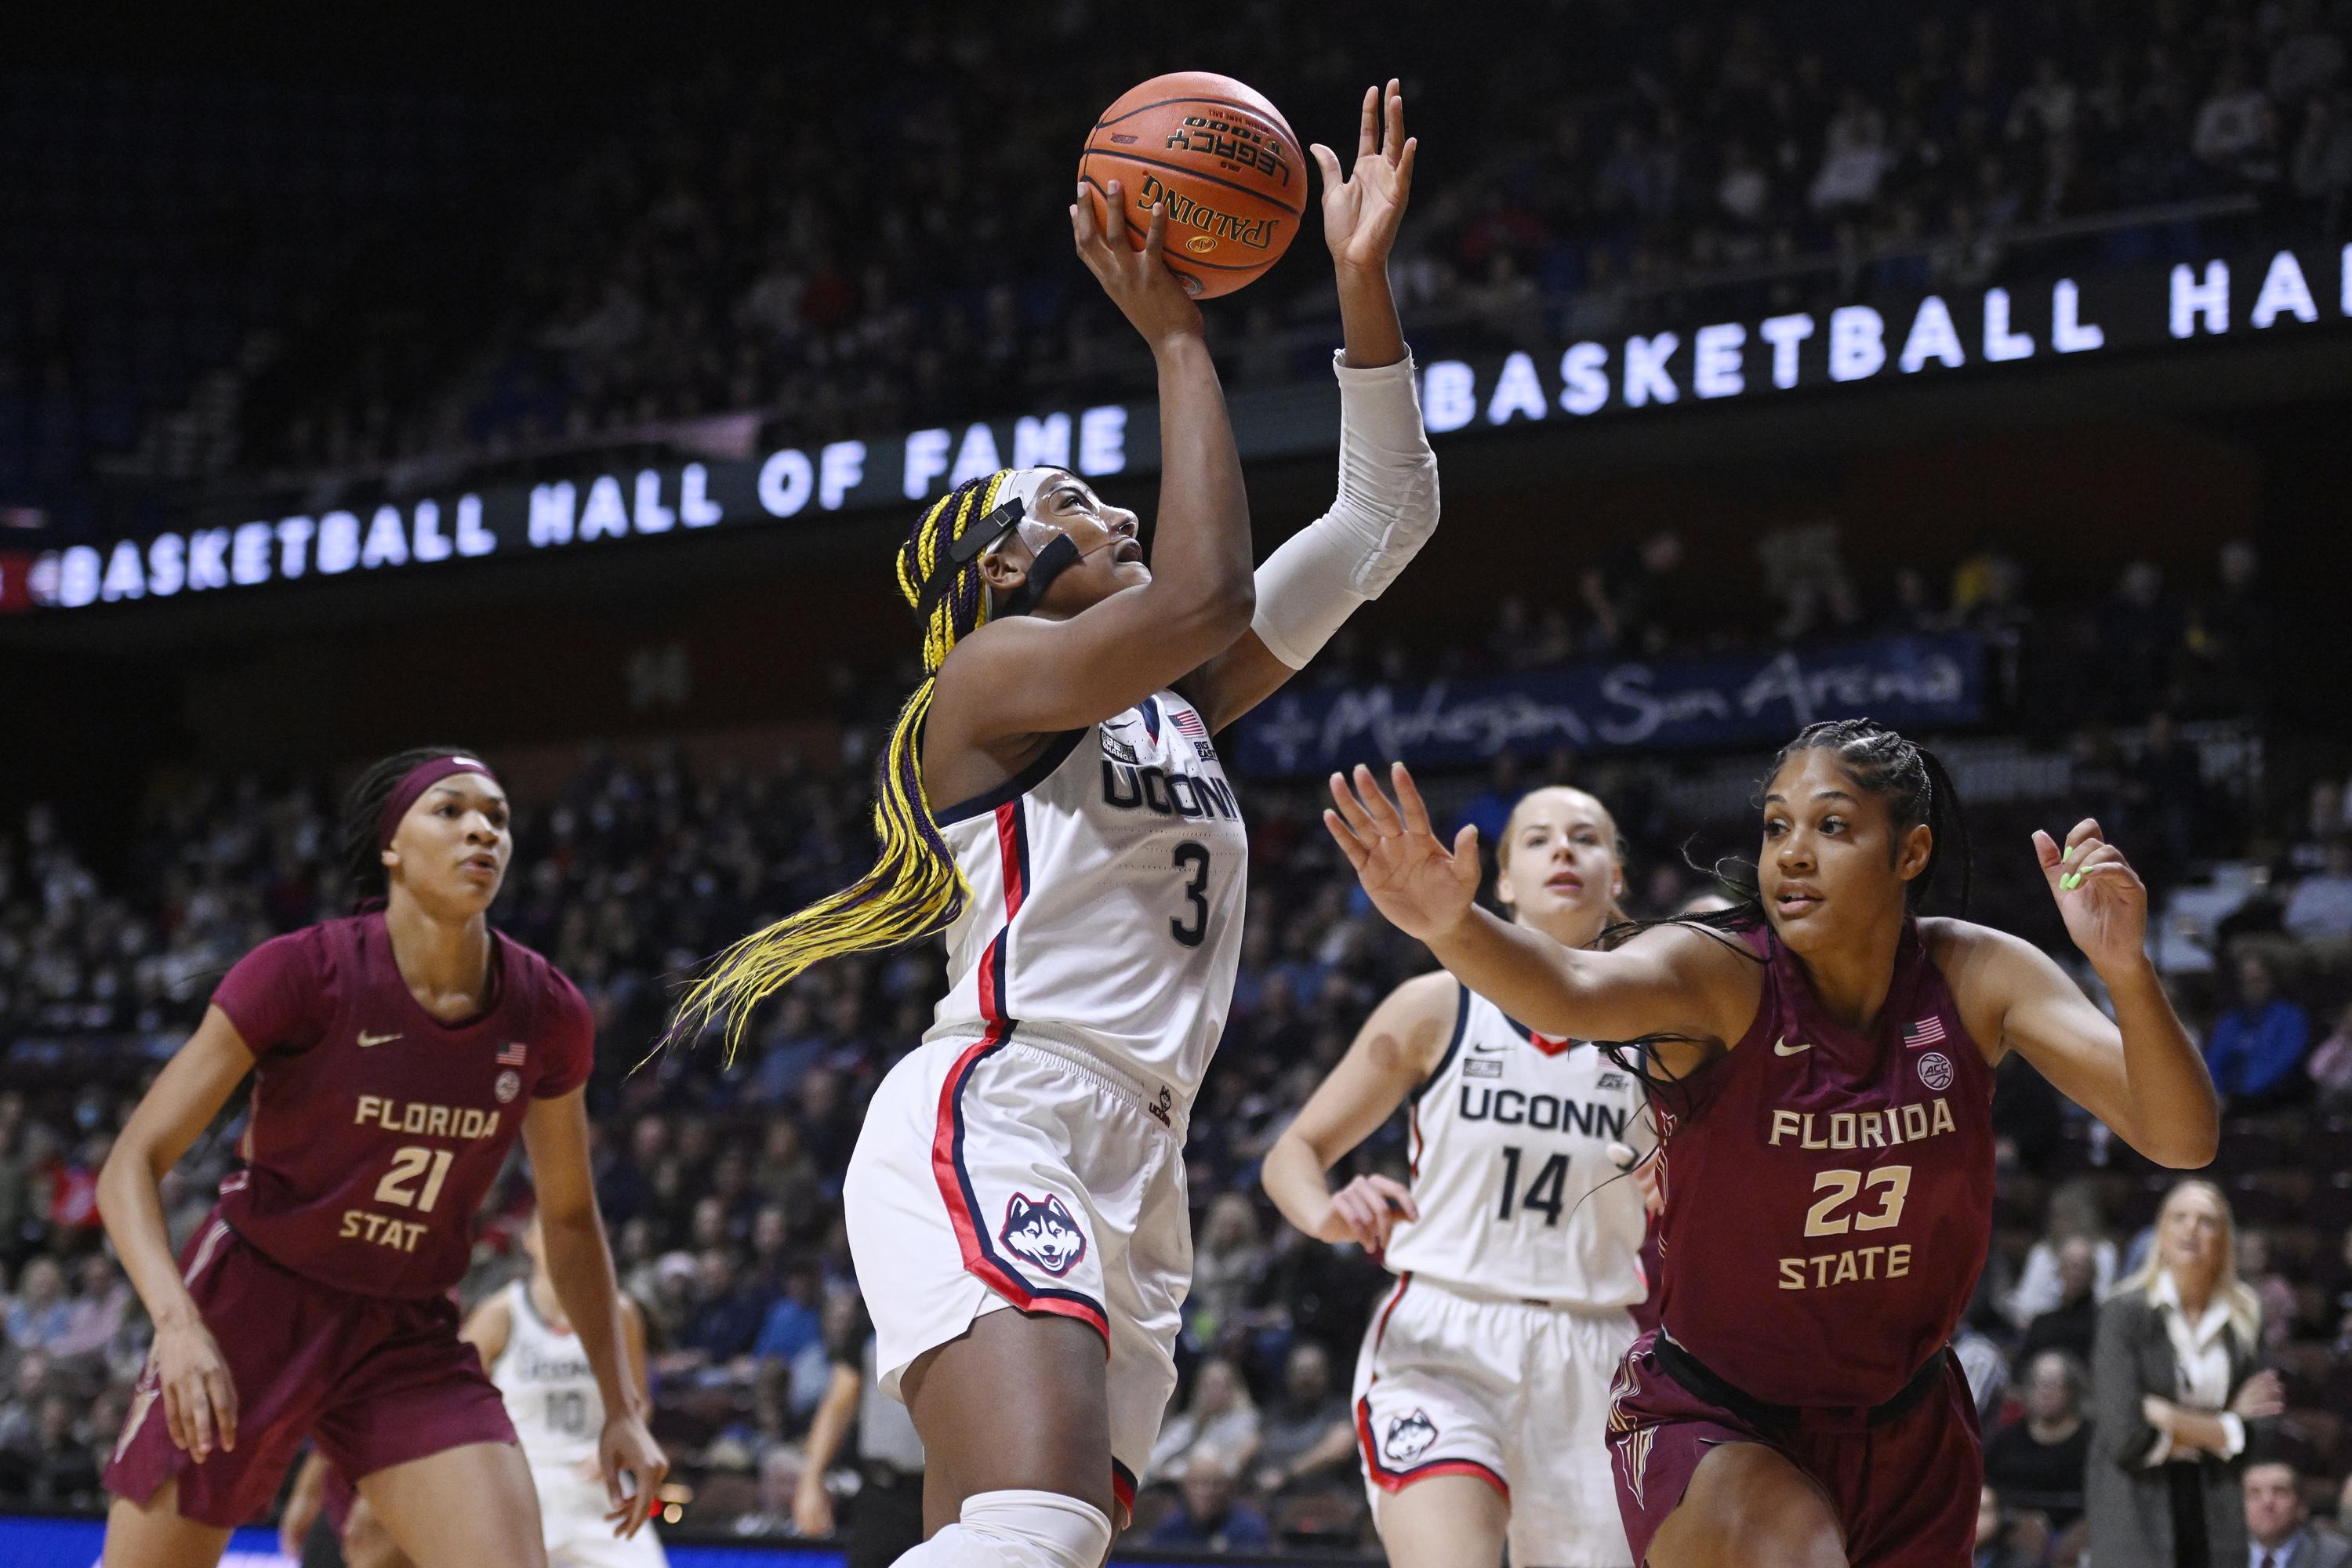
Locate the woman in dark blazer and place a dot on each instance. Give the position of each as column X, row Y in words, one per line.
column 2173, row 1385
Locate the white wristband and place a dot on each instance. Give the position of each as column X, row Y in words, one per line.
column 1386, row 509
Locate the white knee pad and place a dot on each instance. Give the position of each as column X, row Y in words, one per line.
column 1033, row 1530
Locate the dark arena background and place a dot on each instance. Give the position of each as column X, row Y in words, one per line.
column 564, row 391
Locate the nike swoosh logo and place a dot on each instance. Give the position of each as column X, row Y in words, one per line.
column 1482, row 1049
column 367, row 1039
column 1782, row 1047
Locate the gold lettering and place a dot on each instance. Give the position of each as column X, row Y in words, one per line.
column 1944, row 1123
column 437, row 1125
column 1792, row 1273
column 1898, row 1260
column 1821, row 1270
column 1869, row 1261
column 1872, row 1135
column 413, row 1116
column 1846, row 1269
column 1842, row 1130
column 1914, row 1123
column 352, row 1218
column 1809, row 1141
column 368, row 1103
column 1783, row 1121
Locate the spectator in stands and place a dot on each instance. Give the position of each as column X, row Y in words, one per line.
column 2074, row 1212
column 39, row 1316
column 2173, row 1385
column 2037, row 1461
column 1225, row 1268
column 1208, row 1517
column 2279, row 1531
column 2235, row 128
column 2257, row 1047
column 1996, row 1546
column 1305, row 1432
column 728, row 1316
column 2320, row 907
column 2329, row 1065
column 1221, row 1419
column 2072, row 1324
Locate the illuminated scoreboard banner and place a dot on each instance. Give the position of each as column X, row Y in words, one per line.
column 2267, row 294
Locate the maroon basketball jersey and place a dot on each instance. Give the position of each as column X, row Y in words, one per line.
column 376, row 1130
column 1829, row 1195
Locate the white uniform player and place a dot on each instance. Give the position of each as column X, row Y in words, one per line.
column 1492, row 1354
column 1031, row 1153
column 1484, row 1380
column 552, row 1398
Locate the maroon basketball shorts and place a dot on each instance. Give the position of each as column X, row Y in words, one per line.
column 1905, row 1490
column 373, row 1381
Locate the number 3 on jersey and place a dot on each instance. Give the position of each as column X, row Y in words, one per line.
column 1192, row 926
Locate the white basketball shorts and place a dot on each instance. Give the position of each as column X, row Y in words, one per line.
column 571, row 1509
column 993, row 1175
column 1512, row 1392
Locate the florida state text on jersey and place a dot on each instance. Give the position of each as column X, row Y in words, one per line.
column 375, row 1129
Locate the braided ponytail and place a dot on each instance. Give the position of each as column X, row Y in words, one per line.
column 913, row 889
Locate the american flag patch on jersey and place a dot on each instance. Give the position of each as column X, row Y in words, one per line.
column 1922, row 1032
column 510, row 1055
column 1188, row 722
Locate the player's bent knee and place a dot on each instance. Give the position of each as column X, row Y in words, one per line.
column 1746, row 1505
column 1023, row 1530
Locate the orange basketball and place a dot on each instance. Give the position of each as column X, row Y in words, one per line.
column 1223, row 160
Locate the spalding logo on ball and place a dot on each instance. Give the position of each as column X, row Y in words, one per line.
column 1223, row 160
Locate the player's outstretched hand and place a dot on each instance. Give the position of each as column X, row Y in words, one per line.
column 1360, row 212
column 633, row 1467
column 199, row 1396
column 2101, row 897
column 1424, row 888
column 1138, row 282
column 1365, row 1211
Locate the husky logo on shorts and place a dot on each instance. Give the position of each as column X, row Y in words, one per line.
column 1041, row 1233
column 1409, row 1436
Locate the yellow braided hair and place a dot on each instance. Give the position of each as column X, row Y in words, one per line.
column 913, row 888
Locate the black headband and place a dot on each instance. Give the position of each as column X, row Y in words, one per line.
column 975, row 541
column 966, row 548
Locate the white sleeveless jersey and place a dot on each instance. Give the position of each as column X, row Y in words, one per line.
column 1108, row 883
column 1511, row 1170
column 550, row 1389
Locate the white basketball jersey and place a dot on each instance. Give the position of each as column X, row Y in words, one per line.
column 550, row 1389
column 1107, row 890
column 1511, row 1170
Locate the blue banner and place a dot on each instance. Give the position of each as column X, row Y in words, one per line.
column 1744, row 700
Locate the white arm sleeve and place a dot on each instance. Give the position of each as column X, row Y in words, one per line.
column 1386, row 509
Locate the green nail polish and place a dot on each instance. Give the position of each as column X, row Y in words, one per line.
column 2070, row 881
column 2068, row 855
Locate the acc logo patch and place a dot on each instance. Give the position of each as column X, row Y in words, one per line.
column 1409, row 1437
column 510, row 1084
column 1935, row 1070
column 1042, row 1234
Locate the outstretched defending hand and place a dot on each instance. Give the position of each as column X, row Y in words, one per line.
column 1360, row 212
column 2101, row 897
column 1424, row 889
column 1138, row 282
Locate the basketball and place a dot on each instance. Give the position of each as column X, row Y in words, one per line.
column 1219, row 155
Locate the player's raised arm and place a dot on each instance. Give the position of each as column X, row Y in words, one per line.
column 1043, row 672
column 1671, row 981
column 2138, row 1072
column 1386, row 504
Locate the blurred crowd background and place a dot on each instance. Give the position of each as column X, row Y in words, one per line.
column 373, row 286
column 215, row 292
